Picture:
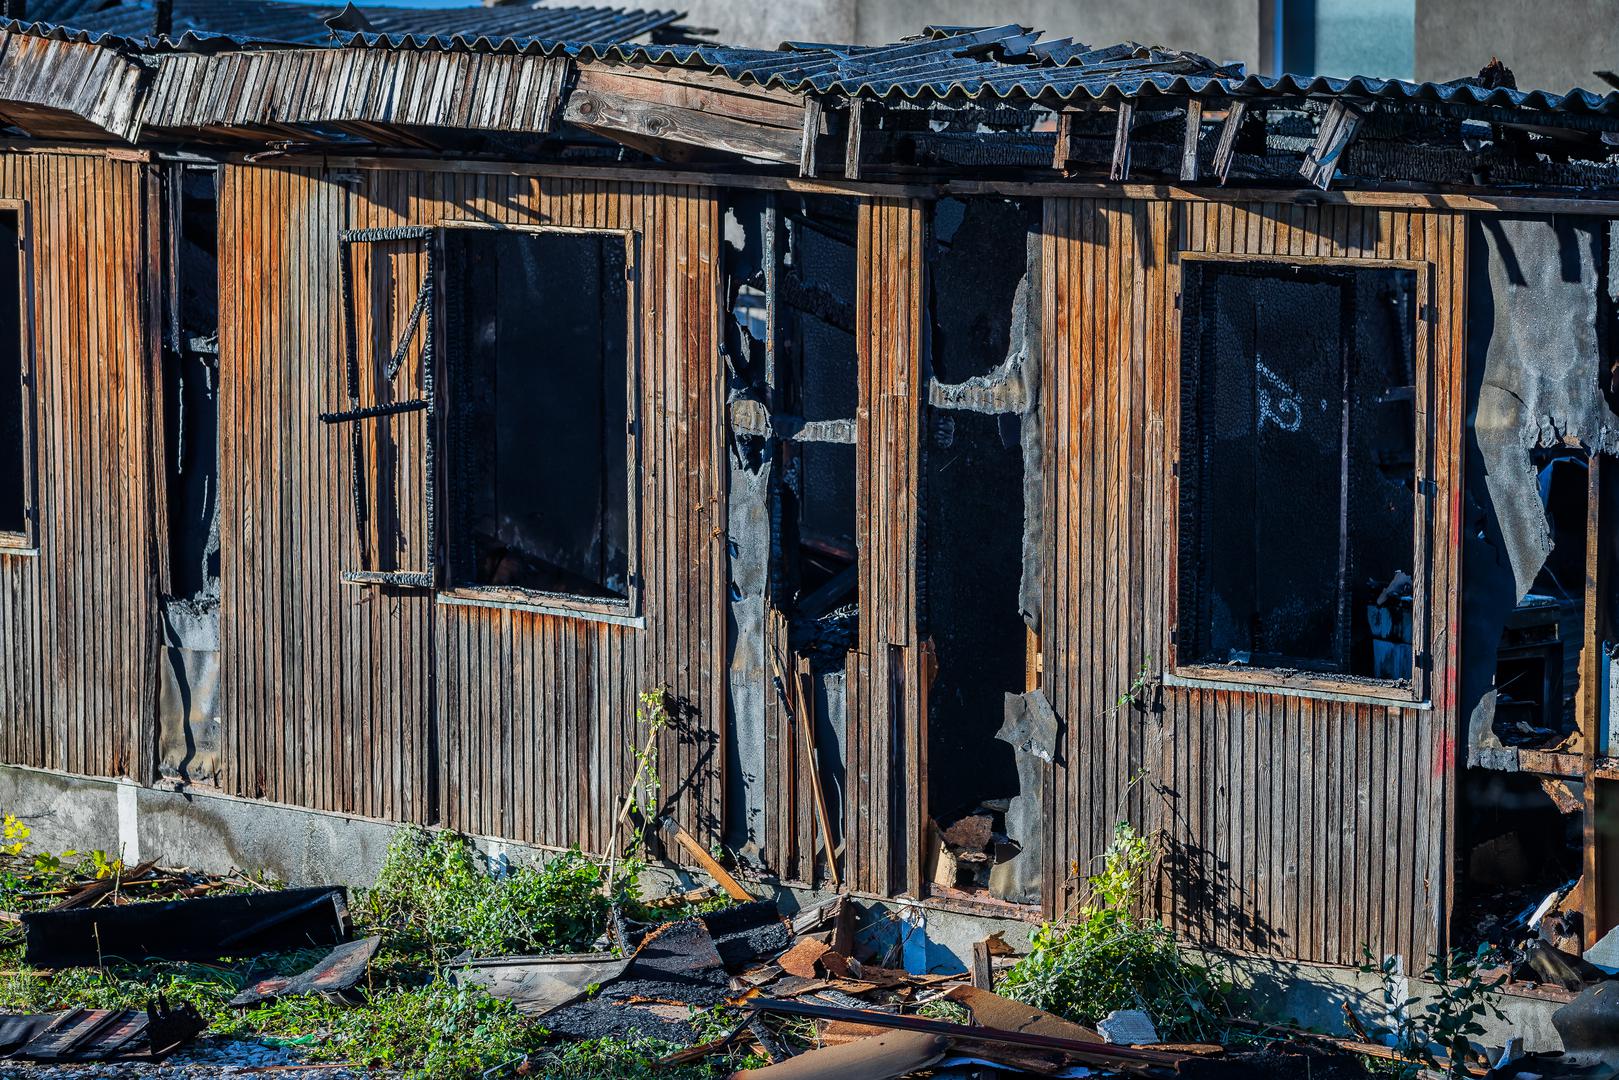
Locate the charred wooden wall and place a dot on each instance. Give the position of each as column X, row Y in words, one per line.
column 1300, row 827
column 78, row 631
column 340, row 697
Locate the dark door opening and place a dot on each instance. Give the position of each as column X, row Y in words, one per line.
column 188, row 694
column 980, row 424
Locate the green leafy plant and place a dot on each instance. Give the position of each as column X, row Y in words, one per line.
column 1113, row 958
column 438, row 893
column 1445, row 1022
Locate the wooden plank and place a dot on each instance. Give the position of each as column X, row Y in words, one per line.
column 618, row 116
column 718, row 98
column 855, row 138
column 1120, row 168
column 1194, row 127
column 1597, row 902
column 1225, row 151
column 1338, row 129
column 814, row 122
column 673, row 832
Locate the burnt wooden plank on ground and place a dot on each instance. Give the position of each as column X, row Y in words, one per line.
column 206, row 928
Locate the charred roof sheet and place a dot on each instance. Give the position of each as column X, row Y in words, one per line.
column 326, row 24
column 1008, row 62
column 1011, row 62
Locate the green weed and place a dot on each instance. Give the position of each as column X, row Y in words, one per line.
column 1113, row 958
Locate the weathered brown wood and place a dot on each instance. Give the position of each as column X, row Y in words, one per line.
column 1194, row 127
column 614, row 113
column 855, row 139
column 1349, row 846
column 733, row 888
column 1120, row 168
column 814, row 119
column 693, row 91
column 1338, row 129
column 1065, row 140
column 1589, row 711
column 1225, row 151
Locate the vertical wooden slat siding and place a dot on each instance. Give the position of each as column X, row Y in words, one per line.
column 1302, row 828
column 78, row 620
column 333, row 694
column 885, row 724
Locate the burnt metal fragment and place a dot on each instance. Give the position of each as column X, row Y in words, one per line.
column 333, row 976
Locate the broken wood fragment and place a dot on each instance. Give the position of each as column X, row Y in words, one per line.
column 1225, row 151
column 1194, row 128
column 880, row 1057
column 1065, row 141
column 1338, row 129
column 801, row 959
column 854, row 144
column 1120, row 169
column 672, row 830
column 813, row 120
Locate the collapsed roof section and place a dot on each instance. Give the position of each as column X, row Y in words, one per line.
column 997, row 102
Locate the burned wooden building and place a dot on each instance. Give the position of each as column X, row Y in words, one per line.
column 980, row 440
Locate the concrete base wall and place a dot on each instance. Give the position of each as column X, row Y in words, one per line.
column 218, row 834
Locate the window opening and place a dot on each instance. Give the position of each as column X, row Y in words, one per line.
column 538, row 415
column 1298, row 468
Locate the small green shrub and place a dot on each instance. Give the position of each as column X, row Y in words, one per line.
column 437, row 893
column 1446, row 1022
column 1111, row 958
column 433, row 1031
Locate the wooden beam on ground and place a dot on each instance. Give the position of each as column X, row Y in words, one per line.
column 1225, row 151
column 672, row 831
column 1194, row 127
column 855, row 143
column 1121, row 142
column 1338, row 129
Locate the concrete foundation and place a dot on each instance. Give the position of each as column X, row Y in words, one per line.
column 218, row 834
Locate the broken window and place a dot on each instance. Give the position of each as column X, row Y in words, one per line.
column 537, row 419
column 1298, row 468
column 14, row 474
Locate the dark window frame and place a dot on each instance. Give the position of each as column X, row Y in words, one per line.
column 25, row 542
column 628, row 608
column 1307, row 683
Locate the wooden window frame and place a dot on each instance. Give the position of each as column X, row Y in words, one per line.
column 567, row 605
column 1305, row 683
column 26, row 542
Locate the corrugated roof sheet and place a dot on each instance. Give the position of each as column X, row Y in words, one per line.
column 1003, row 62
column 1009, row 62
column 296, row 23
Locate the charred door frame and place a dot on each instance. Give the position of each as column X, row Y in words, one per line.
column 26, row 543
column 630, row 610
column 1309, row 684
